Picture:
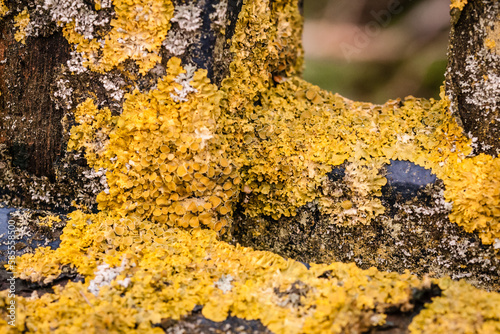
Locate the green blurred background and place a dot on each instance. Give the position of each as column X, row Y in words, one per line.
column 375, row 50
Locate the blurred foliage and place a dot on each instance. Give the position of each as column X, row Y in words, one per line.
column 417, row 69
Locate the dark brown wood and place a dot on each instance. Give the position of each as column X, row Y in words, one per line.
column 30, row 123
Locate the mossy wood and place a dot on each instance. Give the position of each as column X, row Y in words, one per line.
column 161, row 132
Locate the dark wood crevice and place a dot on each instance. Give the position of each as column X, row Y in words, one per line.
column 30, row 122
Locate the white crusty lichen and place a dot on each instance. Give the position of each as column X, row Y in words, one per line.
column 188, row 17
column 22, row 218
column 63, row 94
column 105, row 275
column 218, row 17
column 113, row 87
column 184, row 80
column 75, row 63
column 97, row 181
column 74, row 11
column 486, row 89
column 224, row 283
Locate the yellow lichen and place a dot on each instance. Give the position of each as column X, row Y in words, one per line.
column 177, row 156
column 21, row 22
column 48, row 221
column 292, row 133
column 92, row 130
column 489, row 43
column 492, row 41
column 357, row 203
column 137, row 33
column 164, row 159
column 3, row 9
column 282, row 139
column 460, row 4
column 178, row 269
column 474, row 189
column 461, row 309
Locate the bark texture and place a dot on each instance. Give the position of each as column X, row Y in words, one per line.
column 473, row 75
column 282, row 165
column 32, row 130
column 39, row 89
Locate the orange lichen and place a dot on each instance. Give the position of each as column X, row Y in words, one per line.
column 178, row 269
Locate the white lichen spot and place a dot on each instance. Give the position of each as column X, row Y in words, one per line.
column 224, row 283
column 105, row 275
column 97, row 181
column 177, row 42
column 75, row 63
column 22, row 219
column 78, row 12
column 105, row 3
column 184, row 80
column 218, row 17
column 188, row 17
column 40, row 193
column 113, row 88
column 63, row 94
column 496, row 244
column 204, row 134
